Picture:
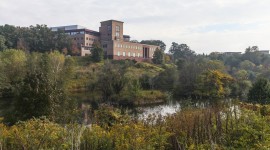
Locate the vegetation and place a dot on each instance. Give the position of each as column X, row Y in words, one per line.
column 158, row 57
column 159, row 43
column 209, row 128
column 37, row 38
column 37, row 81
column 97, row 53
column 260, row 91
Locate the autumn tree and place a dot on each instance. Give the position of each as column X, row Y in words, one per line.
column 213, row 84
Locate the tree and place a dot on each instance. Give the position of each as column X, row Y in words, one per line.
column 43, row 91
column 181, row 51
column 112, row 81
column 35, row 38
column 166, row 80
column 213, row 84
column 134, row 41
column 159, row 43
column 10, row 34
column 97, row 53
column 260, row 91
column 12, row 65
column 2, row 43
column 158, row 57
column 252, row 49
column 247, row 65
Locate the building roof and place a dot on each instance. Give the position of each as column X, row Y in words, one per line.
column 68, row 27
column 112, row 20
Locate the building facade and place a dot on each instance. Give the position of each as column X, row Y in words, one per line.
column 111, row 36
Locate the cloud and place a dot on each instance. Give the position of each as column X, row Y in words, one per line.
column 205, row 25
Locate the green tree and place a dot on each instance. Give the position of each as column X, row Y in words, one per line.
column 159, row 43
column 166, row 80
column 252, row 49
column 111, row 81
column 43, row 92
column 97, row 53
column 11, row 35
column 12, row 65
column 37, row 38
column 158, row 57
column 247, row 65
column 2, row 43
column 181, row 51
column 260, row 91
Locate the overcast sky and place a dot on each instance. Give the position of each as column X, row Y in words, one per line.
column 204, row 25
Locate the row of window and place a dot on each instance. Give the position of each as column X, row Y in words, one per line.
column 86, row 39
column 74, row 33
column 128, row 46
column 87, row 44
column 132, row 47
column 128, row 54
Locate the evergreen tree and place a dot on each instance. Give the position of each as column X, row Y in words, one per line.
column 260, row 91
column 158, row 57
column 97, row 53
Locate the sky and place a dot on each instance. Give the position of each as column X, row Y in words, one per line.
column 204, row 25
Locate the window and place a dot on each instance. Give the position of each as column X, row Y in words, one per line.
column 124, row 53
column 118, row 53
column 109, row 28
column 117, row 31
column 81, row 38
column 117, row 34
column 86, row 38
column 105, row 46
column 134, row 55
column 128, row 54
column 118, row 45
column 86, row 44
column 121, row 45
column 74, row 38
column 117, row 28
column 138, row 54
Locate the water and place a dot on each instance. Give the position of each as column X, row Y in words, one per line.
column 165, row 109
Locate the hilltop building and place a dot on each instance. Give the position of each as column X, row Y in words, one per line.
column 111, row 36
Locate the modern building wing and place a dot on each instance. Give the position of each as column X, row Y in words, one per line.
column 111, row 36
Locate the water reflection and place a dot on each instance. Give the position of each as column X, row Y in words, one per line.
column 162, row 109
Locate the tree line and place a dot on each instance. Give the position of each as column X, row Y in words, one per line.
column 39, row 38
